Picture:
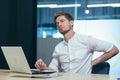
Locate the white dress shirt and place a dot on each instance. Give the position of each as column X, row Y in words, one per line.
column 76, row 55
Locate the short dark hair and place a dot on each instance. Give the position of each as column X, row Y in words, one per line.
column 67, row 15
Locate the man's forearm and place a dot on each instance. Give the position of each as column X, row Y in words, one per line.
column 106, row 56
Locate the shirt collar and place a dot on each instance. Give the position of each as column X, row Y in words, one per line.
column 66, row 43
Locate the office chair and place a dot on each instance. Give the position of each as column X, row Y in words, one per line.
column 101, row 68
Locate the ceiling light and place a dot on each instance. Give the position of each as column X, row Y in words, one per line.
column 46, row 5
column 104, row 5
column 87, row 11
column 58, row 6
column 116, row 5
column 67, row 5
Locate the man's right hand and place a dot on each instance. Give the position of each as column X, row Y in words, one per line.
column 40, row 64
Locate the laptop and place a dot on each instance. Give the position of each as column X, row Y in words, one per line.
column 17, row 61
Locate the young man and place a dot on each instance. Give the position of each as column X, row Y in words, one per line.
column 74, row 54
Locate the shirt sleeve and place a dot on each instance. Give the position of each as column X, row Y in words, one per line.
column 54, row 64
column 99, row 45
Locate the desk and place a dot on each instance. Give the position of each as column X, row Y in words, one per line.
column 7, row 75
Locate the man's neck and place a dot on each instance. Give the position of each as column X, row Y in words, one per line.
column 69, row 35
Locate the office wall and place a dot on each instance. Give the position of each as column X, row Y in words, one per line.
column 107, row 30
column 18, row 27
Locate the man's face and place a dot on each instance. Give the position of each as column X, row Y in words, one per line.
column 63, row 24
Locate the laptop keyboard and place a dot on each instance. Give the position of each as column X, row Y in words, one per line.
column 36, row 71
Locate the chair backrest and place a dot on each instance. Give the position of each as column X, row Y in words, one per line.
column 101, row 68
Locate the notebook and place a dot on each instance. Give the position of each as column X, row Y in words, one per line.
column 17, row 61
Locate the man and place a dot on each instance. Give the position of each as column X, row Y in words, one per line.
column 74, row 54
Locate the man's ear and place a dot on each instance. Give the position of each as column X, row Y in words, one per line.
column 72, row 22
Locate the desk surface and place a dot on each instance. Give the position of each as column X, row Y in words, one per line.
column 7, row 75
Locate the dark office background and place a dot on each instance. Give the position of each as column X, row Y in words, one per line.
column 18, row 27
